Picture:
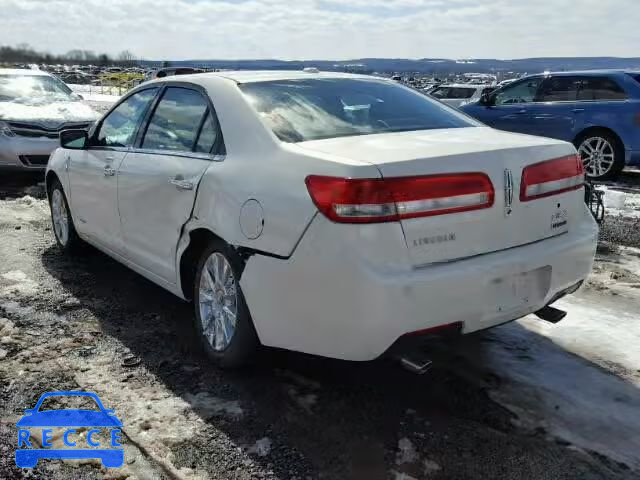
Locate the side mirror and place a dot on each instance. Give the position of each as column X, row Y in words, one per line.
column 74, row 139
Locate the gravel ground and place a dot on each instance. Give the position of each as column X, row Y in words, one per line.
column 68, row 323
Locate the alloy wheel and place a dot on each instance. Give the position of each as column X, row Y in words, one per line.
column 60, row 217
column 218, row 301
column 597, row 156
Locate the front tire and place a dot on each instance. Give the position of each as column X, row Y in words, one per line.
column 222, row 317
column 63, row 228
column 602, row 155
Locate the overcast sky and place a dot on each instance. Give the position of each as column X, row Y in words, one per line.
column 326, row 29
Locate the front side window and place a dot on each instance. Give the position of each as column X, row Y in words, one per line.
column 601, row 88
column 319, row 108
column 521, row 92
column 559, row 89
column 176, row 121
column 118, row 129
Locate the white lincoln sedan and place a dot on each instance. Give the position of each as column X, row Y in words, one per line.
column 326, row 213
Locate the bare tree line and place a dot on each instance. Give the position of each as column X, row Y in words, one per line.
column 23, row 53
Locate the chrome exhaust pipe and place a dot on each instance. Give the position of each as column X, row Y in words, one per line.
column 415, row 363
column 551, row 314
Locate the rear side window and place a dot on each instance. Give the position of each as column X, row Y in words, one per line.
column 559, row 89
column 601, row 88
column 208, row 136
column 118, row 129
column 176, row 121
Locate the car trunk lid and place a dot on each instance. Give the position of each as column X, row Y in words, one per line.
column 508, row 222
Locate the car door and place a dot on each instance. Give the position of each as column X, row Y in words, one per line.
column 554, row 110
column 509, row 108
column 92, row 172
column 603, row 102
column 158, row 179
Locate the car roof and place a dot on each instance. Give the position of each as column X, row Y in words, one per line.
column 23, row 71
column 252, row 76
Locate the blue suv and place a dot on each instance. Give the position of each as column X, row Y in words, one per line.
column 598, row 111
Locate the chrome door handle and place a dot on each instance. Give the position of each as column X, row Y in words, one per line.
column 181, row 184
column 109, row 158
column 109, row 171
column 578, row 110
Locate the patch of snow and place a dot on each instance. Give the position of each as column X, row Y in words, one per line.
column 406, row 452
column 579, row 379
column 401, row 476
column 208, row 406
column 430, row 467
column 20, row 284
column 14, row 308
column 7, row 327
column 620, row 201
column 262, row 447
column 23, row 210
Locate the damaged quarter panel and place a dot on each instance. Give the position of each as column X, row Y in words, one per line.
column 242, row 199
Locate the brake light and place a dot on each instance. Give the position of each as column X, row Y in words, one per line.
column 551, row 177
column 373, row 200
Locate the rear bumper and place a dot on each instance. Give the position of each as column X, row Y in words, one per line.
column 331, row 301
column 24, row 153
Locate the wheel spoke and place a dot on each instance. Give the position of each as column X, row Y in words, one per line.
column 230, row 315
column 208, row 280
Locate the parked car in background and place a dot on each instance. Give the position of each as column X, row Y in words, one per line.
column 598, row 111
column 458, row 94
column 170, row 71
column 34, row 108
column 327, row 213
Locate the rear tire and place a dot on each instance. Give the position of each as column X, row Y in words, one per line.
column 63, row 228
column 602, row 154
column 222, row 318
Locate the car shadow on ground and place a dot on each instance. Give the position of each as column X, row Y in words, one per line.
column 343, row 419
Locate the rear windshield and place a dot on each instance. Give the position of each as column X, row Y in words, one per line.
column 314, row 109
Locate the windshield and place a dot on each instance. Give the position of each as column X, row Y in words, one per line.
column 314, row 109
column 30, row 88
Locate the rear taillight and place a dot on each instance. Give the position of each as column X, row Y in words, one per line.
column 372, row 200
column 551, row 177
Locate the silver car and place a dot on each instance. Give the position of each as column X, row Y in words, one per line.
column 34, row 108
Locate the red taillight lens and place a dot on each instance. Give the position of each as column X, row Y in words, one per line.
column 371, row 200
column 551, row 177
